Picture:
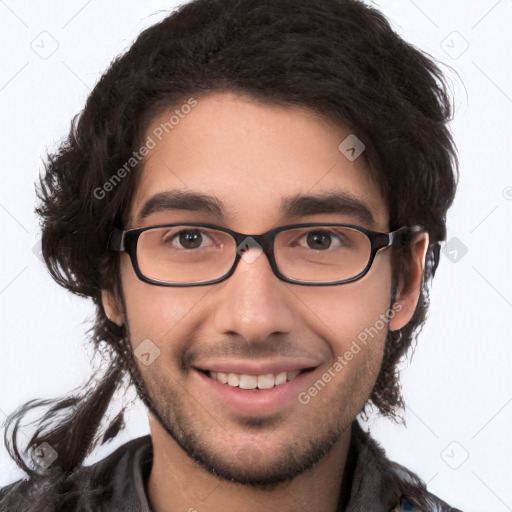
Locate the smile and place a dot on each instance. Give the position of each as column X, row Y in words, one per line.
column 245, row 381
column 250, row 389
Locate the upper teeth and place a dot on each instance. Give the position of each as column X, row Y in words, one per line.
column 245, row 381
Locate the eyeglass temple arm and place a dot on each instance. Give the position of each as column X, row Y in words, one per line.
column 116, row 240
column 415, row 229
column 433, row 256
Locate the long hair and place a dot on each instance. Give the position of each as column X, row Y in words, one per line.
column 339, row 58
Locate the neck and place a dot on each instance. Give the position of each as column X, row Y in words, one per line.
column 178, row 483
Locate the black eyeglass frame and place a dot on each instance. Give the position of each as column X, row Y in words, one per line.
column 126, row 241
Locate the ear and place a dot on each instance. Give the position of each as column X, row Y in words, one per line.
column 112, row 306
column 409, row 292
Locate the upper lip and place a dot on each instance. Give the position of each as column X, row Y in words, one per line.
column 256, row 367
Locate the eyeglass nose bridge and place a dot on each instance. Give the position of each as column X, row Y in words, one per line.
column 264, row 242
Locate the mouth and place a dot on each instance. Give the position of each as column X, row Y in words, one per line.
column 248, row 381
column 245, row 391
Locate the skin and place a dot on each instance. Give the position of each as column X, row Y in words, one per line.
column 249, row 155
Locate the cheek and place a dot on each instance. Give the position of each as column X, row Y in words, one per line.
column 354, row 311
column 158, row 312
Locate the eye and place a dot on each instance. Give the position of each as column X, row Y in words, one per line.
column 186, row 238
column 321, row 239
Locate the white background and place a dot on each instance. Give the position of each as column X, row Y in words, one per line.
column 457, row 387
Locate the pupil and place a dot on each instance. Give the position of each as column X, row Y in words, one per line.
column 189, row 239
column 319, row 237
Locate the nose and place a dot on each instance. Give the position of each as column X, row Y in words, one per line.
column 253, row 303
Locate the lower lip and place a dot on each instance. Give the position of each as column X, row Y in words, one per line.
column 255, row 401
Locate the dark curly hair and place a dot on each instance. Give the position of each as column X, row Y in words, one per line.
column 339, row 58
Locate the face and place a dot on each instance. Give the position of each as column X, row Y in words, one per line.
column 251, row 158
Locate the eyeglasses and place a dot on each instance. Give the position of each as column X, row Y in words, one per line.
column 195, row 254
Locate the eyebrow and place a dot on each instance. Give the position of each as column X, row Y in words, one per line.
column 182, row 200
column 293, row 206
column 331, row 202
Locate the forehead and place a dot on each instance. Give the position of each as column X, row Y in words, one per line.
column 251, row 164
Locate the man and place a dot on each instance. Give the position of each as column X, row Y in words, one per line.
column 253, row 197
